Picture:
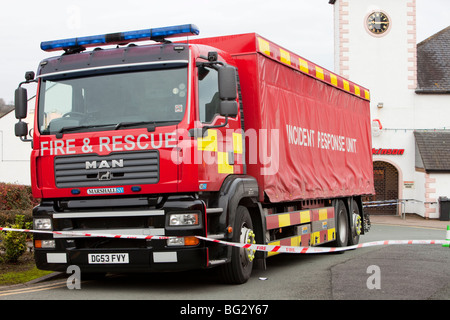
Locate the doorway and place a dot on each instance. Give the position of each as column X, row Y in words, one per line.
column 385, row 178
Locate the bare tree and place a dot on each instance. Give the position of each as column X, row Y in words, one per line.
column 4, row 108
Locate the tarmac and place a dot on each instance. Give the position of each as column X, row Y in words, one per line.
column 409, row 220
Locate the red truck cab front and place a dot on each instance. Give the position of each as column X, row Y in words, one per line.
column 124, row 141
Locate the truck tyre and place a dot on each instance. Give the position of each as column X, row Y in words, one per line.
column 342, row 229
column 238, row 271
column 357, row 224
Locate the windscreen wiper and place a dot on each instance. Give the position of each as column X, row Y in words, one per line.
column 60, row 133
column 153, row 124
column 117, row 126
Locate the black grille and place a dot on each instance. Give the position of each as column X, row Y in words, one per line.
column 114, row 169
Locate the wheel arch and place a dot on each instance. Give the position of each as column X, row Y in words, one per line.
column 238, row 191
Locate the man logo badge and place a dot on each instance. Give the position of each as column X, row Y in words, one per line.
column 104, row 175
column 104, row 164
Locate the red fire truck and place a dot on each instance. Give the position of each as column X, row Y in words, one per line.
column 232, row 138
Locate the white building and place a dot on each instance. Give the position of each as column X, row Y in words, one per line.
column 375, row 45
column 15, row 154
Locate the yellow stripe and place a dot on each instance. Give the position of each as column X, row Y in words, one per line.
column 367, row 94
column 303, row 66
column 223, row 163
column 357, row 91
column 313, row 238
column 331, row 234
column 323, row 214
column 264, row 46
column 237, row 143
column 305, row 216
column 346, row 85
column 208, row 143
column 284, row 220
column 333, row 79
column 285, row 57
column 276, row 243
column 319, row 73
column 295, row 241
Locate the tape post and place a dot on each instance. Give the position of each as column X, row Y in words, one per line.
column 256, row 247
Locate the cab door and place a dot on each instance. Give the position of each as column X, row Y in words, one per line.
column 220, row 148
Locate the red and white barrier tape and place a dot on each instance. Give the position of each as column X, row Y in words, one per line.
column 289, row 249
column 81, row 234
column 257, row 247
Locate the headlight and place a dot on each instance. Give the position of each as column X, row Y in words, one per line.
column 42, row 223
column 183, row 219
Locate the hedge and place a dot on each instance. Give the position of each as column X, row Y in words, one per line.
column 15, row 200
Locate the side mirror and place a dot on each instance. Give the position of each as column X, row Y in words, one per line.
column 228, row 108
column 227, row 83
column 20, row 102
column 21, row 129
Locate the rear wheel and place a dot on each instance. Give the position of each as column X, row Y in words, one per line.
column 240, row 268
column 342, row 230
column 357, row 224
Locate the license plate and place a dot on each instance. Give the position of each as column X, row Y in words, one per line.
column 104, row 258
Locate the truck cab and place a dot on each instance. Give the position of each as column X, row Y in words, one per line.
column 132, row 140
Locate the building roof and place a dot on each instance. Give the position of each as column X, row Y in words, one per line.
column 433, row 63
column 433, row 150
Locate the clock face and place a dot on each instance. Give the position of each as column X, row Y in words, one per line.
column 377, row 23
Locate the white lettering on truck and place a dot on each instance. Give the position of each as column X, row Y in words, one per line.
column 327, row 141
column 110, row 144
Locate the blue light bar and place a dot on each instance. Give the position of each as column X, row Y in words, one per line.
column 157, row 34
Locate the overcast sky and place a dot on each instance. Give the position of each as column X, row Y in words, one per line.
column 302, row 26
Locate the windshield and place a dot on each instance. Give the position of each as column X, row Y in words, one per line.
column 113, row 101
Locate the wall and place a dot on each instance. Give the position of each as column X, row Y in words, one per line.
column 15, row 154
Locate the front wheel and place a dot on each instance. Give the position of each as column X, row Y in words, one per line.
column 238, row 271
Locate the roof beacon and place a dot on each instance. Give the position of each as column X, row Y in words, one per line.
column 156, row 34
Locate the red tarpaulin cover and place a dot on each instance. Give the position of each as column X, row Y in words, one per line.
column 324, row 144
column 308, row 131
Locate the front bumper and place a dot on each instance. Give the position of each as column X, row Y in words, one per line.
column 141, row 255
column 138, row 260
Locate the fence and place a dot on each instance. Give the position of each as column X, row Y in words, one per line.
column 397, row 202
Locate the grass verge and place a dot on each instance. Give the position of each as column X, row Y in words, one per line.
column 23, row 271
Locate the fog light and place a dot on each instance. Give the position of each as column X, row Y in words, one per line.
column 183, row 241
column 175, row 241
column 183, row 219
column 42, row 223
column 48, row 244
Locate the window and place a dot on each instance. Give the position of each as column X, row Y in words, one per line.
column 208, row 93
column 157, row 96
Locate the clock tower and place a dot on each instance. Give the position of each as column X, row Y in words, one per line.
column 375, row 45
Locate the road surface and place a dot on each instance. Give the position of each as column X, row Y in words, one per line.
column 392, row 272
